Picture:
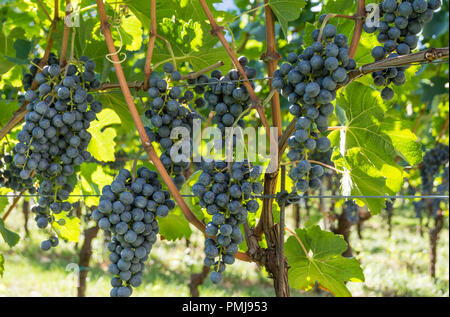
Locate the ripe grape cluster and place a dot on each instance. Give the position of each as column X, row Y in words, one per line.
column 54, row 138
column 228, row 96
column 226, row 195
column 169, row 111
column 10, row 176
column 127, row 210
column 400, row 23
column 29, row 77
column 434, row 164
column 309, row 82
column 433, row 161
column 351, row 210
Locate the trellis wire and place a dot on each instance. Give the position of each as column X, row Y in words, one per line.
column 253, row 79
column 275, row 196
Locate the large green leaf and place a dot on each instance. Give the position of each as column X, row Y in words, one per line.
column 367, row 146
column 286, row 10
column 322, row 262
column 102, row 145
column 10, row 237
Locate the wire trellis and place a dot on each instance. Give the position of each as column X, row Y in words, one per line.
column 275, row 196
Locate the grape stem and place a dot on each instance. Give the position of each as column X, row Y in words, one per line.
column 443, row 129
column 44, row 9
column 65, row 39
column 13, row 205
column 425, row 56
column 207, row 69
column 169, row 48
column 357, row 31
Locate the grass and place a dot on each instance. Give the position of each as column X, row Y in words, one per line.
column 396, row 266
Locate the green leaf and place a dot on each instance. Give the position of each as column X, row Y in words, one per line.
column 190, row 42
column 174, row 226
column 4, row 200
column 22, row 48
column 102, row 144
column 179, row 9
column 92, row 179
column 114, row 100
column 322, row 262
column 10, row 237
column 8, row 108
column 70, row 231
column 369, row 143
column 286, row 10
column 131, row 29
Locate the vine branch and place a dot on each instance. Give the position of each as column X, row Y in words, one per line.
column 357, row 31
column 65, row 39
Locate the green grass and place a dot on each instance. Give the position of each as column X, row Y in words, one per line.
column 396, row 266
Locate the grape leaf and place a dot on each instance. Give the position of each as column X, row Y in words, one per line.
column 10, row 237
column 322, row 262
column 369, row 143
column 70, row 231
column 286, row 10
column 181, row 9
column 174, row 226
column 4, row 200
column 102, row 144
column 131, row 29
column 8, row 108
column 92, row 179
column 190, row 43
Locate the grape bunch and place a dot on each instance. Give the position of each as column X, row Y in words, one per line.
column 433, row 160
column 199, row 85
column 28, row 78
column 351, row 210
column 309, row 83
column 168, row 111
column 400, row 24
column 10, row 176
column 128, row 210
column 226, row 195
column 228, row 96
column 54, row 138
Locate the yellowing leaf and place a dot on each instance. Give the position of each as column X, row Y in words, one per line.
column 70, row 231
column 102, row 145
